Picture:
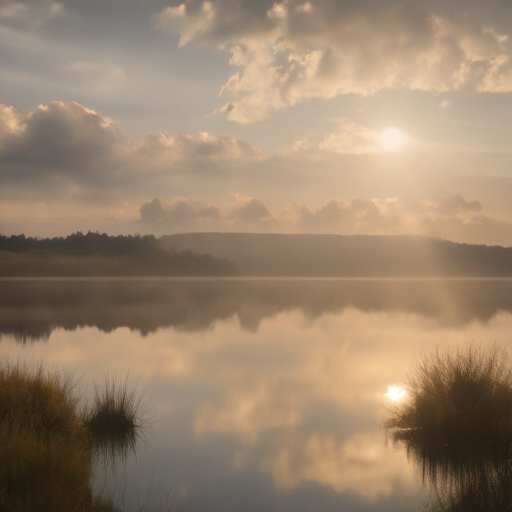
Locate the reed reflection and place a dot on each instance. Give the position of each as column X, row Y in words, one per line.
column 456, row 424
column 32, row 310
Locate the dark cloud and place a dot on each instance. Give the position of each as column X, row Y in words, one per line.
column 65, row 140
column 67, row 145
column 153, row 211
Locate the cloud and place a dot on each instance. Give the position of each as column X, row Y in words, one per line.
column 451, row 217
column 290, row 51
column 252, row 211
column 177, row 212
column 60, row 140
column 183, row 213
column 67, row 146
column 153, row 211
column 351, row 138
column 454, row 204
column 29, row 15
column 201, row 147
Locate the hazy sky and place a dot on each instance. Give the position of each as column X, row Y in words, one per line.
column 326, row 116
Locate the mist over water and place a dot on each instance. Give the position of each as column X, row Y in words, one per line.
column 267, row 394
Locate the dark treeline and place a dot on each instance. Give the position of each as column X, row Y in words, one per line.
column 78, row 243
column 349, row 256
column 95, row 254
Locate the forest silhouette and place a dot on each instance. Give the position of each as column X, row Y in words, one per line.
column 95, row 254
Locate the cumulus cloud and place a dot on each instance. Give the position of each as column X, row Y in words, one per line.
column 252, row 211
column 177, row 212
column 66, row 145
column 290, row 51
column 59, row 140
column 454, row 204
column 153, row 211
column 451, row 217
column 239, row 212
column 32, row 14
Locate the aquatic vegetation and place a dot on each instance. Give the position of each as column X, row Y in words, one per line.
column 45, row 453
column 456, row 423
column 47, row 446
column 116, row 418
column 456, row 399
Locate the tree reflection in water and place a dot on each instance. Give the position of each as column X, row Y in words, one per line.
column 456, row 424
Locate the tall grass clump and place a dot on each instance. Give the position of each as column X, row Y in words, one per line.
column 116, row 419
column 49, row 442
column 457, row 417
column 45, row 452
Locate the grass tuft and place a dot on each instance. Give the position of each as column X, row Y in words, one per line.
column 116, row 419
column 45, row 452
column 48, row 447
column 456, row 421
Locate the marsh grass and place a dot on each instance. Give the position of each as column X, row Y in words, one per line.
column 48, row 444
column 117, row 418
column 45, row 453
column 457, row 419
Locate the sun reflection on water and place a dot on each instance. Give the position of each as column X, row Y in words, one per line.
column 395, row 393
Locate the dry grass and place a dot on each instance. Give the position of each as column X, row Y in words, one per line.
column 457, row 419
column 45, row 453
column 48, row 447
column 116, row 419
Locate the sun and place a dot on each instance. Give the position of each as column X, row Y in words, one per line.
column 392, row 139
column 395, row 393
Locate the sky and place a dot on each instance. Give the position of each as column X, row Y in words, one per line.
column 348, row 117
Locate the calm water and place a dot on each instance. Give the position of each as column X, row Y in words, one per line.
column 264, row 395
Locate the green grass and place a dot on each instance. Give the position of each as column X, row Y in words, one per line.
column 48, row 444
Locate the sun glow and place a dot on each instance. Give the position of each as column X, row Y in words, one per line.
column 392, row 139
column 395, row 393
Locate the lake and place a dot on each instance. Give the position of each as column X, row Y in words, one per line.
column 261, row 394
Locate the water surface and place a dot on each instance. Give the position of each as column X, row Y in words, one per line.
column 264, row 394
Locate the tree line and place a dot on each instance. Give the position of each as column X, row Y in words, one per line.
column 95, row 254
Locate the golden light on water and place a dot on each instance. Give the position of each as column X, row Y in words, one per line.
column 392, row 139
column 395, row 393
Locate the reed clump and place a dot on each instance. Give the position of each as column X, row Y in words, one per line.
column 47, row 444
column 116, row 419
column 456, row 419
column 45, row 453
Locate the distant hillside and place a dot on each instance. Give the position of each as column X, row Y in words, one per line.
column 102, row 255
column 348, row 256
